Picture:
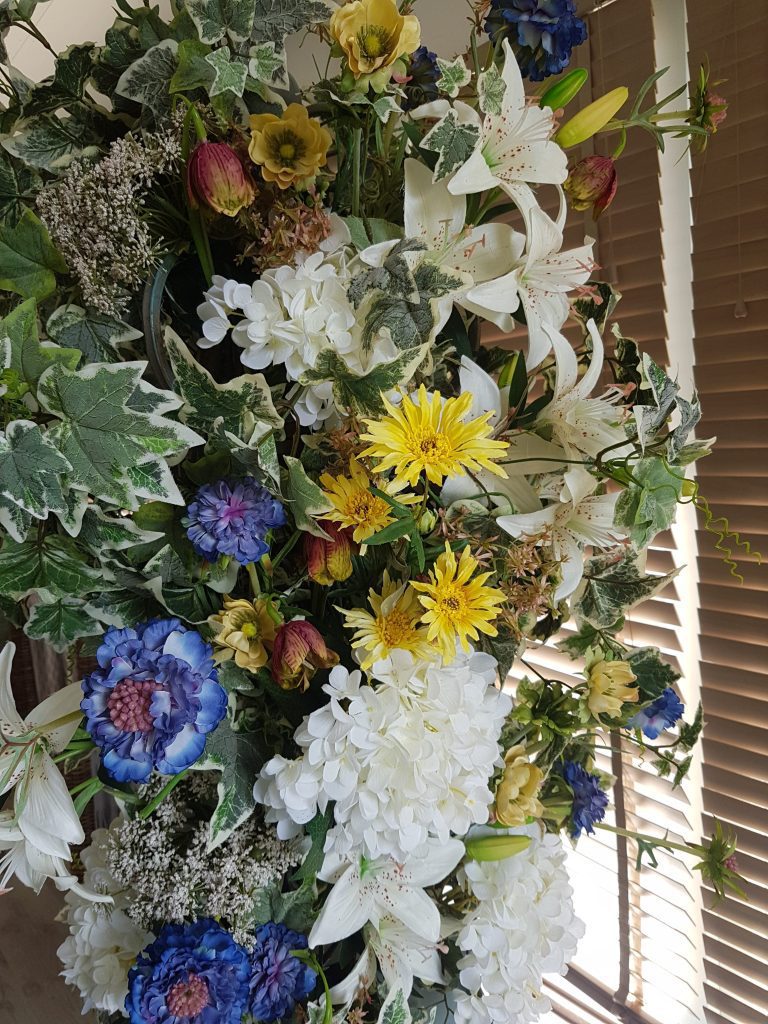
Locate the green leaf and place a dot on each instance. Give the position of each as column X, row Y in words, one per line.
column 31, row 469
column 72, row 517
column 52, row 563
column 491, row 88
column 193, row 70
column 453, row 142
column 266, row 63
column 385, row 107
column 235, row 403
column 101, row 532
column 216, row 18
column 577, row 644
column 317, row 830
column 29, row 359
column 61, row 622
column 273, row 20
column 690, row 415
column 166, row 565
column 395, row 1008
column 653, row 674
column 505, row 648
column 380, row 231
column 649, row 504
column 96, row 335
column 228, row 75
column 306, row 498
column 74, row 67
column 29, row 261
column 14, row 520
column 17, row 181
column 123, row 609
column 50, row 142
column 239, row 757
column 399, row 528
column 599, row 306
column 454, row 75
column 361, row 394
column 659, row 395
column 147, row 81
column 613, row 584
column 115, row 451
column 236, row 680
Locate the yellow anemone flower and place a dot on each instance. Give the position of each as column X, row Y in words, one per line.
column 242, row 629
column 373, row 34
column 394, row 624
column 427, row 435
column 458, row 607
column 609, row 687
column 290, row 148
column 516, row 797
column 355, row 506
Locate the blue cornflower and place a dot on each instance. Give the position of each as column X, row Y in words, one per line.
column 541, row 32
column 663, row 713
column 191, row 974
column 233, row 517
column 589, row 800
column 278, row 979
column 423, row 75
column 152, row 700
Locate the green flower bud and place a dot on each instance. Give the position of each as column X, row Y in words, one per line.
column 592, row 118
column 487, row 848
column 557, row 96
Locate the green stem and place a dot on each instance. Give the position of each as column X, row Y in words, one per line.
column 357, row 136
column 629, row 834
column 286, row 549
column 155, row 802
column 253, row 576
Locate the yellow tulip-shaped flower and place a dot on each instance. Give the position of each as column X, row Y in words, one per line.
column 609, row 687
column 517, row 794
column 242, row 629
column 458, row 606
column 289, row 149
column 373, row 34
column 394, row 624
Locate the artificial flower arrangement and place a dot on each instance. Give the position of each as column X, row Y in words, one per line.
column 257, row 464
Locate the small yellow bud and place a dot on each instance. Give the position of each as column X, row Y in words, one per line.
column 592, row 118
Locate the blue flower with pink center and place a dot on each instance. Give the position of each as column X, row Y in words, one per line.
column 233, row 517
column 191, row 974
column 153, row 699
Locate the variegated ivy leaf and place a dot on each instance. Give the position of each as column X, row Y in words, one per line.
column 454, row 75
column 50, row 142
column 71, row 518
column 147, row 80
column 306, row 498
column 393, row 274
column 28, row 358
column 658, row 393
column 61, row 621
column 395, row 1009
column 361, row 394
column 106, row 441
column 123, row 608
column 96, row 335
column 238, row 402
column 228, row 75
column 273, row 20
column 216, row 18
column 14, row 520
column 385, row 107
column 690, row 414
column 5, row 353
column 453, row 142
column 101, row 532
column 491, row 88
column 31, row 469
column 16, row 180
column 612, row 585
column 49, row 563
column 266, row 63
column 239, row 757
column 649, row 504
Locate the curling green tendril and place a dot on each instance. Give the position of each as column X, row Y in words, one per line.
column 727, row 538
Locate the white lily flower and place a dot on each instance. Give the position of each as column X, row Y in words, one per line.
column 580, row 518
column 514, row 147
column 370, row 891
column 403, row 955
column 577, row 422
column 539, row 284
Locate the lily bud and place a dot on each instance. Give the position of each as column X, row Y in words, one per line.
column 297, row 653
column 557, row 96
column 329, row 561
column 592, row 182
column 488, row 848
column 216, row 178
column 592, row 118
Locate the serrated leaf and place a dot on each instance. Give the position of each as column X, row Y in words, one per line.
column 361, row 394
column 50, row 142
column 228, row 75
column 395, row 1008
column 506, row 647
column 216, row 18
column 653, row 674
column 61, row 622
column 52, row 563
column 206, row 401
column 105, row 441
column 193, row 70
column 30, row 359
column 659, row 393
column 122, row 609
column 239, row 757
column 31, row 469
column 96, row 335
column 147, row 80
column 453, row 142
column 649, row 503
column 266, row 63
column 491, row 88
column 454, row 75
column 16, row 181
column 307, row 501
column 273, row 20
column 613, row 584
column 29, row 261
column 102, row 532
column 14, row 520
column 385, row 107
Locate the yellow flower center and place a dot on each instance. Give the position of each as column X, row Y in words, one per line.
column 287, row 148
column 451, row 600
column 249, row 630
column 362, row 505
column 287, row 151
column 373, row 41
column 395, row 629
column 430, row 447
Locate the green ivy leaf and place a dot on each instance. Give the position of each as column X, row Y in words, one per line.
column 454, row 75
column 491, row 88
column 216, row 18
column 505, row 648
column 50, row 142
column 453, row 142
column 273, row 20
column 29, row 261
column 228, row 75
column 123, row 609
column 307, row 499
column 266, row 63
column 31, row 469
column 653, row 674
column 612, row 585
column 107, row 443
column 147, row 81
column 317, row 830
column 96, row 335
column 361, row 394
column 74, row 67
column 193, row 70
column 17, row 181
column 61, row 622
column 29, row 359
column 649, row 503
column 14, row 520
column 52, row 563
column 659, row 395
column 102, row 532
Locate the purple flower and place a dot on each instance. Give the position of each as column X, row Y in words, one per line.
column 658, row 716
column 423, row 75
column 589, row 800
column 233, row 517
column 152, row 700
column 541, row 32
column 191, row 974
column 278, row 979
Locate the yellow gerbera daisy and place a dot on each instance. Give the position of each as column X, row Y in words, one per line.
column 394, row 624
column 427, row 435
column 457, row 605
column 355, row 506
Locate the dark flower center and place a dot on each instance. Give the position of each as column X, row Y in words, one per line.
column 287, row 148
column 129, row 702
column 188, row 998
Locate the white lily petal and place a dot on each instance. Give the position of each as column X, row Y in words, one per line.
column 571, row 563
column 60, row 704
column 359, row 979
column 567, row 372
column 438, row 862
column 486, row 396
column 11, row 722
column 592, row 376
column 347, row 908
column 432, row 214
column 473, row 176
column 48, row 818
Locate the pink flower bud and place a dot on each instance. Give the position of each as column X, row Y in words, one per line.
column 216, row 178
column 592, row 182
column 329, row 561
column 298, row 652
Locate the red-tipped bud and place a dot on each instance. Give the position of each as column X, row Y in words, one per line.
column 216, row 178
column 329, row 561
column 297, row 653
column 592, row 182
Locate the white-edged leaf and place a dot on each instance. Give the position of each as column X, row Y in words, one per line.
column 454, row 75
column 306, row 498
column 31, row 469
column 96, row 335
column 61, row 621
column 491, row 88
column 361, row 394
column 228, row 75
column 147, row 80
column 453, row 142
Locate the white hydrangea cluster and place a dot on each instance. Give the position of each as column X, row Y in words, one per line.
column 103, row 940
column 404, row 760
column 523, row 927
